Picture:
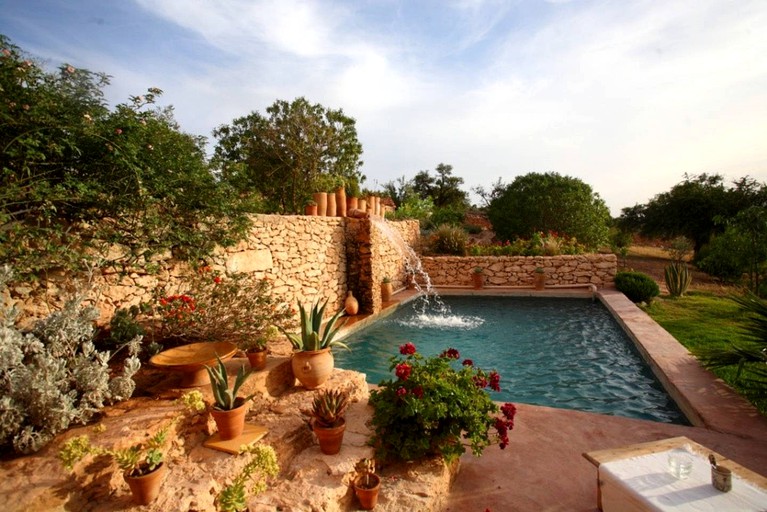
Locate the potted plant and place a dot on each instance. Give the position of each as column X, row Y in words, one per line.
column 262, row 464
column 366, row 484
column 312, row 360
column 310, row 208
column 477, row 277
column 142, row 464
column 228, row 410
column 255, row 347
column 539, row 278
column 386, row 289
column 327, row 419
column 437, row 406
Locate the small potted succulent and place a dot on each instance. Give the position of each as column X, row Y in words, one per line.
column 310, row 208
column 255, row 347
column 142, row 464
column 228, row 410
column 366, row 484
column 327, row 419
column 262, row 464
column 312, row 360
column 478, row 277
column 387, row 289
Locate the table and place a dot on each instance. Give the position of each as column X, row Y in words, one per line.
column 636, row 478
column 190, row 360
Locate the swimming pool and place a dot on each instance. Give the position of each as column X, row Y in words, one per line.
column 568, row 353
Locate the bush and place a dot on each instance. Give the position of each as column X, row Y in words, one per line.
column 54, row 376
column 432, row 407
column 638, row 287
column 448, row 215
column 448, row 240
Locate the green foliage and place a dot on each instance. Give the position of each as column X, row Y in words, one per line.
column 414, row 208
column 124, row 326
column 447, row 239
column 707, row 324
column 444, row 188
column 329, row 407
column 638, row 287
column 209, row 306
column 78, row 178
column 432, row 407
column 295, row 150
column 548, row 244
column 550, row 202
column 313, row 337
column 262, row 464
column 448, row 215
column 53, row 376
column 225, row 397
column 724, row 257
column 678, row 278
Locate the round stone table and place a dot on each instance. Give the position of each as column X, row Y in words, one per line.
column 191, row 360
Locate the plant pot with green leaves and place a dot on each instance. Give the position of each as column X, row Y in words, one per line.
column 539, row 278
column 142, row 464
column 327, row 419
column 228, row 410
column 387, row 289
column 310, row 208
column 477, row 277
column 366, row 484
column 255, row 347
column 312, row 361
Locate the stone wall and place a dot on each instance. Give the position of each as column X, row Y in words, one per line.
column 597, row 269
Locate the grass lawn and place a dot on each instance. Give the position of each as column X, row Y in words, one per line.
column 701, row 320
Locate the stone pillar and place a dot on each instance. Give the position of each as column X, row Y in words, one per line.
column 359, row 267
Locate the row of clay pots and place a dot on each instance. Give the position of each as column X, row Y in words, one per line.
column 336, row 204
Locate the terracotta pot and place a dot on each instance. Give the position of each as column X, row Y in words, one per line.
column 367, row 494
column 310, row 209
column 145, row 488
column 362, row 204
column 331, row 211
column 341, row 202
column 312, row 367
column 351, row 304
column 386, row 291
column 539, row 280
column 410, row 282
column 351, row 203
column 257, row 359
column 321, row 198
column 477, row 279
column 230, row 423
column 330, row 439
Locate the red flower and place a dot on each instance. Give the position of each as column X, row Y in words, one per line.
column 480, row 381
column 407, row 349
column 401, row 391
column 217, row 280
column 418, row 392
column 468, row 362
column 509, row 411
column 450, row 353
column 402, row 371
column 495, row 381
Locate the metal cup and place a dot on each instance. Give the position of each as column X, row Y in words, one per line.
column 721, row 478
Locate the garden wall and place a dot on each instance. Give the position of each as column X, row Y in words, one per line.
column 597, row 269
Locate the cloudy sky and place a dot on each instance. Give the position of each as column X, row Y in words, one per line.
column 625, row 95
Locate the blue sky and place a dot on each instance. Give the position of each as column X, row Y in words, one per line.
column 626, row 95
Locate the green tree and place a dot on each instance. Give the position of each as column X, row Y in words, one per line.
column 444, row 188
column 78, row 178
column 295, row 149
column 691, row 208
column 550, row 202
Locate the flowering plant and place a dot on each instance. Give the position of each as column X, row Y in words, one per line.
column 433, row 404
column 217, row 307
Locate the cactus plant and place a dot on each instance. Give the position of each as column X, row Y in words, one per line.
column 329, row 407
column 678, row 278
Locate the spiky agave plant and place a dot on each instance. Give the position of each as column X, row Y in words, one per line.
column 678, row 278
column 313, row 336
column 329, row 407
column 226, row 398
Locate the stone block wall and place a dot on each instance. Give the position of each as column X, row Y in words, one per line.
column 597, row 269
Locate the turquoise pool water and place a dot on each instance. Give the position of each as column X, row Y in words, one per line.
column 568, row 353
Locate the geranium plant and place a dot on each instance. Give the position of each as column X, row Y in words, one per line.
column 435, row 406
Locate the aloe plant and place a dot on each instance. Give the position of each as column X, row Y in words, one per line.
column 329, row 407
column 313, row 336
column 678, row 278
column 226, row 398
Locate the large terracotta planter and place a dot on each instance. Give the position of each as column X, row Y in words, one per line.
column 257, row 359
column 312, row 367
column 331, row 211
column 367, row 494
column 230, row 423
column 351, row 304
column 330, row 439
column 341, row 202
column 145, row 488
column 386, row 291
column 477, row 279
column 321, row 198
column 351, row 203
column 310, row 209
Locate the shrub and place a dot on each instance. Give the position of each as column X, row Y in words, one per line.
column 678, row 278
column 447, row 215
column 448, row 240
column 431, row 406
column 54, row 376
column 638, row 287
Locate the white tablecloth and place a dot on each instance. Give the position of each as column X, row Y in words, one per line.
column 644, row 483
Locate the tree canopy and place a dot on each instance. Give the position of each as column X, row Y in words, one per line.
column 444, row 188
column 538, row 202
column 295, row 149
column 68, row 162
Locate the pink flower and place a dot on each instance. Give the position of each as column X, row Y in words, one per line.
column 401, row 391
column 402, row 371
column 407, row 349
